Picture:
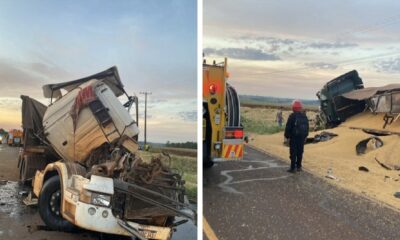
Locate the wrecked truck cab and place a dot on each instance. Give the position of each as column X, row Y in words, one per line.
column 334, row 108
column 95, row 179
column 86, row 203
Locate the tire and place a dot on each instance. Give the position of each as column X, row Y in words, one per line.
column 207, row 162
column 53, row 220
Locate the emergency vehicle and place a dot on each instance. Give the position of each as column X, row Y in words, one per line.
column 223, row 135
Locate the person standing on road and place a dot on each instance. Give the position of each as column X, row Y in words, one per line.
column 296, row 131
column 279, row 117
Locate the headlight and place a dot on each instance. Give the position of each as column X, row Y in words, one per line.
column 101, row 199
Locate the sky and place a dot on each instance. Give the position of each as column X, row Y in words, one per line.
column 291, row 48
column 152, row 42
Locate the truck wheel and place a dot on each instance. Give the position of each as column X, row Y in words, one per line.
column 50, row 206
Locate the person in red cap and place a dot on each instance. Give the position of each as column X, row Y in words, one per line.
column 296, row 131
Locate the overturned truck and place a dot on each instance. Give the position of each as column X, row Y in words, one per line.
column 334, row 108
column 81, row 153
column 345, row 96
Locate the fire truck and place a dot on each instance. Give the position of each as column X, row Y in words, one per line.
column 223, row 135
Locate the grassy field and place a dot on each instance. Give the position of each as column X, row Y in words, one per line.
column 186, row 165
column 260, row 126
column 262, row 120
column 176, row 151
column 274, row 101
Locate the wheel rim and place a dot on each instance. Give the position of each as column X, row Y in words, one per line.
column 55, row 202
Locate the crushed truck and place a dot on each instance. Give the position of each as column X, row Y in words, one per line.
column 334, row 108
column 346, row 96
column 81, row 154
column 223, row 134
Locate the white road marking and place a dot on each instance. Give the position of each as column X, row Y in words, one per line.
column 226, row 185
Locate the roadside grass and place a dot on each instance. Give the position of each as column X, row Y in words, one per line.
column 260, row 126
column 187, row 166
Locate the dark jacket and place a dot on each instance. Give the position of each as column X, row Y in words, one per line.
column 297, row 125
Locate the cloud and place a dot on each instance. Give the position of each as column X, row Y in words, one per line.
column 242, row 53
column 48, row 71
column 188, row 116
column 16, row 80
column 12, row 104
column 334, row 45
column 390, row 66
column 321, row 65
column 27, row 78
column 269, row 40
column 276, row 42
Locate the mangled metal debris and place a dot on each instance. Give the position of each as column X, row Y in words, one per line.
column 368, row 144
column 384, row 99
column 346, row 96
column 396, row 194
column 30, row 200
column 321, row 137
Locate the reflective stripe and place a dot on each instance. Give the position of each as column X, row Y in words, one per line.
column 241, row 151
column 228, row 151
column 236, row 150
column 232, row 151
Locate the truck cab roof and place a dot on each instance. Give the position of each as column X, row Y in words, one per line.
column 109, row 77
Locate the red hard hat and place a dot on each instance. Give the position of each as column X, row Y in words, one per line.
column 297, row 106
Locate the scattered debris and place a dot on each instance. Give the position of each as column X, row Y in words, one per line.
column 29, row 200
column 397, row 194
column 321, row 137
column 371, row 143
column 375, row 132
column 329, row 174
column 364, row 169
column 331, row 177
column 383, row 165
column 23, row 193
column 3, row 182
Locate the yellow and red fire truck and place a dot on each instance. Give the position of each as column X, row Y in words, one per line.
column 223, row 136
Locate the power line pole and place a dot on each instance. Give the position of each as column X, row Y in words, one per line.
column 145, row 116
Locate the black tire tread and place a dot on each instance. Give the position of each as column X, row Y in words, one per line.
column 56, row 223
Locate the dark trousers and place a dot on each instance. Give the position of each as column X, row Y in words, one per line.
column 296, row 151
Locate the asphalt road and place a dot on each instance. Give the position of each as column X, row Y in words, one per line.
column 257, row 199
column 18, row 221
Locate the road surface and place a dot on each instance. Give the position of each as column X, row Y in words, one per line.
column 257, row 199
column 18, row 221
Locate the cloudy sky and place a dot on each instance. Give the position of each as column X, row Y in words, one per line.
column 153, row 44
column 291, row 48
